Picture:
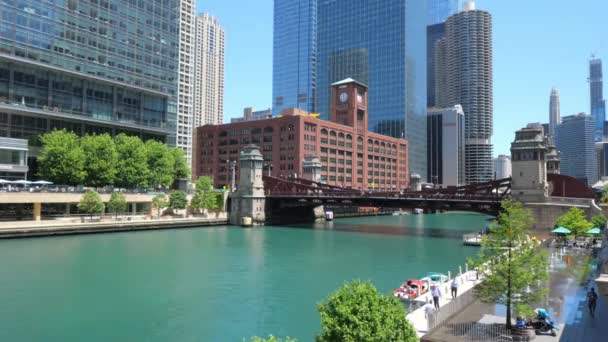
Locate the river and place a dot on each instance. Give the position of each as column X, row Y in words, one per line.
column 212, row 284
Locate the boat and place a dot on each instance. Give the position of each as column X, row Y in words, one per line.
column 411, row 289
column 435, row 277
column 418, row 211
column 329, row 215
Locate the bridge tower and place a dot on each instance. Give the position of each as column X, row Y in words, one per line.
column 249, row 200
column 311, row 169
column 529, row 163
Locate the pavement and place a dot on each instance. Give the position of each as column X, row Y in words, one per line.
column 566, row 303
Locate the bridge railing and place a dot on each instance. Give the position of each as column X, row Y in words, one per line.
column 359, row 194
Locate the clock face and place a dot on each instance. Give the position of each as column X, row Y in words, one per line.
column 360, row 98
column 343, row 97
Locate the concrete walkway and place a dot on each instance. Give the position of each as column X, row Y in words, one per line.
column 16, row 229
column 417, row 317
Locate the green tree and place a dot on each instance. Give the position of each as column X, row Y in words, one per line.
column 160, row 164
column 180, row 167
column 575, row 220
column 357, row 312
column 62, row 159
column 515, row 268
column 117, row 203
column 160, row 202
column 101, row 159
column 599, row 221
column 132, row 167
column 272, row 339
column 178, row 200
column 204, row 196
column 91, row 203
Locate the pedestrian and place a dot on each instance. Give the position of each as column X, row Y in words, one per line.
column 436, row 293
column 429, row 314
column 592, row 301
column 454, row 286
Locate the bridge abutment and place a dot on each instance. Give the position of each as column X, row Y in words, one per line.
column 248, row 203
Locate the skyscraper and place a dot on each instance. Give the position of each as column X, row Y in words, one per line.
column 294, row 55
column 438, row 11
column 598, row 104
column 105, row 68
column 463, row 76
column 434, row 33
column 209, row 72
column 554, row 114
column 445, row 147
column 381, row 44
column 502, row 166
column 185, row 103
column 575, row 142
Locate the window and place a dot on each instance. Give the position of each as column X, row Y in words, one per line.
column 323, row 131
column 267, row 148
column 268, row 129
column 268, row 138
column 256, row 131
column 332, row 169
column 332, row 133
column 332, row 160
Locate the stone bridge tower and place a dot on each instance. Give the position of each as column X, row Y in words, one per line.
column 311, row 169
column 249, row 202
column 528, row 158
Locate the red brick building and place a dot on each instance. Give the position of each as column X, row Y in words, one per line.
column 351, row 156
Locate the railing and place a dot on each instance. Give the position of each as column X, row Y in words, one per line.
column 68, row 189
column 475, row 331
column 359, row 194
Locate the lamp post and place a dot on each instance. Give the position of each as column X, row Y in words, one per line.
column 269, row 167
column 233, row 179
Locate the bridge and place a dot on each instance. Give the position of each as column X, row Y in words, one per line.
column 263, row 199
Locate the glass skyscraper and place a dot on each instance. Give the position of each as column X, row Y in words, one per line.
column 575, row 142
column 381, row 43
column 438, row 11
column 107, row 66
column 598, row 104
column 294, row 56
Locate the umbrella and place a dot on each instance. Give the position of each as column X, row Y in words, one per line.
column 561, row 230
column 594, row 231
column 4, row 181
column 22, row 182
column 42, row 182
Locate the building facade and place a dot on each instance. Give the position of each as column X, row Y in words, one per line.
column 601, row 150
column 13, row 158
column 529, row 151
column 502, row 166
column 598, row 104
column 185, row 103
column 294, row 55
column 554, row 113
column 467, row 79
column 434, row 33
column 445, row 136
column 575, row 143
column 209, row 71
column 350, row 155
column 89, row 68
column 438, row 11
column 383, row 45
column 250, row 115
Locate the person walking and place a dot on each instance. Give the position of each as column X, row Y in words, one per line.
column 429, row 314
column 436, row 293
column 454, row 286
column 592, row 301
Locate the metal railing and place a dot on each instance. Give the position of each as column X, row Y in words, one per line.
column 475, row 331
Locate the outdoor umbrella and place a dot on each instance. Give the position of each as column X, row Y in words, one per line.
column 4, row 181
column 561, row 230
column 42, row 182
column 594, row 231
column 22, row 182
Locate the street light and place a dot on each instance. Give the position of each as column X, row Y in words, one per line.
column 232, row 166
column 269, row 167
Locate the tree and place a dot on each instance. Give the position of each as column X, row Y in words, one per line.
column 204, row 196
column 357, row 312
column 62, row 159
column 177, row 200
column 101, row 159
column 159, row 202
column 91, row 203
column 514, row 267
column 180, row 167
column 599, row 221
column 117, row 203
column 575, row 220
column 161, row 166
column 132, row 166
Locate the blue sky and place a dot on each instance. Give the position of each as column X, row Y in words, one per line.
column 537, row 44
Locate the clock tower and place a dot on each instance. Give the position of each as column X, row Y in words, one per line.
column 349, row 104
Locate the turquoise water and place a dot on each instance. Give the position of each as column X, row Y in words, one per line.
column 212, row 284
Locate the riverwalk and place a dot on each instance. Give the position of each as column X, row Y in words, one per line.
column 20, row 229
column 447, row 306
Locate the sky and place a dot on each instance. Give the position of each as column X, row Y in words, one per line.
column 538, row 44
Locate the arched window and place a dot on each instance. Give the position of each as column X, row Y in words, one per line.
column 376, row 142
column 323, row 131
column 370, row 142
column 332, row 133
column 349, row 137
column 359, row 139
column 341, row 135
column 383, row 144
column 268, row 129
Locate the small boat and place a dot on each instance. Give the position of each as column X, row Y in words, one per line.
column 329, row 215
column 418, row 211
column 411, row 289
column 435, row 277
